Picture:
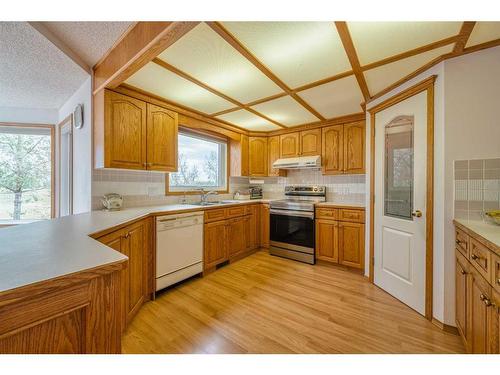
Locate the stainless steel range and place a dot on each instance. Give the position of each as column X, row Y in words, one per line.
column 292, row 223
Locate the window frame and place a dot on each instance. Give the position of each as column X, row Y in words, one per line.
column 51, row 127
column 208, row 136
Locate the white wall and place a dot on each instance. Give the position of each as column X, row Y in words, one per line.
column 472, row 131
column 466, row 126
column 29, row 115
column 82, row 147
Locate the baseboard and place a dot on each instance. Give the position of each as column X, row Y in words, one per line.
column 445, row 327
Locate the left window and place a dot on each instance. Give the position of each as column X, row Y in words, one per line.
column 26, row 173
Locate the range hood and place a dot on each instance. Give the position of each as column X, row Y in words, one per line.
column 303, row 162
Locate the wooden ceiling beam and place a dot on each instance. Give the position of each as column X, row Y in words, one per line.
column 345, row 37
column 190, row 78
column 142, row 43
column 410, row 53
column 463, row 36
column 237, row 45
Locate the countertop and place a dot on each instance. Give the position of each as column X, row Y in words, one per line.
column 489, row 231
column 44, row 250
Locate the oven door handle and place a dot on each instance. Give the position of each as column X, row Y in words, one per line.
column 309, row 215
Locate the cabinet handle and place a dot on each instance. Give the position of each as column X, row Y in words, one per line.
column 127, row 235
column 474, row 256
column 463, row 272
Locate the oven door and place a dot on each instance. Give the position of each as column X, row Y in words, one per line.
column 293, row 230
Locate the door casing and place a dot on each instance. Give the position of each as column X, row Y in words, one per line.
column 425, row 85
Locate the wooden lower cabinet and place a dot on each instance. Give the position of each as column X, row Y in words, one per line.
column 352, row 244
column 327, row 240
column 265, row 222
column 340, row 241
column 462, row 298
column 236, row 236
column 476, row 297
column 231, row 237
column 215, row 249
column 134, row 241
column 480, row 292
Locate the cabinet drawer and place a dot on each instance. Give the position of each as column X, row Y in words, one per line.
column 357, row 216
column 236, row 211
column 495, row 265
column 214, row 215
column 480, row 257
column 327, row 213
column 462, row 242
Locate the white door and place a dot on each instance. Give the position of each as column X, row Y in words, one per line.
column 400, row 197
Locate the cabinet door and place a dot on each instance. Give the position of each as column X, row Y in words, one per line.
column 480, row 294
column 137, row 272
column 462, row 299
column 236, row 236
column 117, row 241
column 162, row 126
column 244, row 156
column 327, row 240
column 495, row 324
column 251, row 229
column 258, row 156
column 354, row 148
column 273, row 148
column 125, row 132
column 264, row 225
column 332, row 151
column 310, row 142
column 215, row 244
column 289, row 145
column 352, row 244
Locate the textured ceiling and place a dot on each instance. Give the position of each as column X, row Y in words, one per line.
column 89, row 40
column 34, row 73
column 266, row 75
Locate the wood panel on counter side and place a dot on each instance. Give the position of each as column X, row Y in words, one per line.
column 477, row 292
column 74, row 314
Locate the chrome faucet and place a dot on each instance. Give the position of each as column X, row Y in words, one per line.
column 204, row 195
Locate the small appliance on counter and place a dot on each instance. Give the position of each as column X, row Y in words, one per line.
column 242, row 195
column 112, row 201
column 255, row 192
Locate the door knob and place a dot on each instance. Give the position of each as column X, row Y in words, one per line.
column 417, row 213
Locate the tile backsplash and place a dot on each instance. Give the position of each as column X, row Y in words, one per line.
column 143, row 188
column 476, row 187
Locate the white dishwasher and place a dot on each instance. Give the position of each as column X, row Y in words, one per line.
column 179, row 247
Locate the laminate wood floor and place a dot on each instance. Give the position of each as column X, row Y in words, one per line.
column 265, row 304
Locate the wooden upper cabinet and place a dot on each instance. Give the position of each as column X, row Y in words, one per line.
column 289, row 145
column 332, row 149
column 238, row 150
column 257, row 156
column 132, row 134
column 310, row 142
column 354, row 147
column 162, row 129
column 273, row 151
column 124, row 132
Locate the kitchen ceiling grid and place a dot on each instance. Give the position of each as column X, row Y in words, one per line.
column 263, row 76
